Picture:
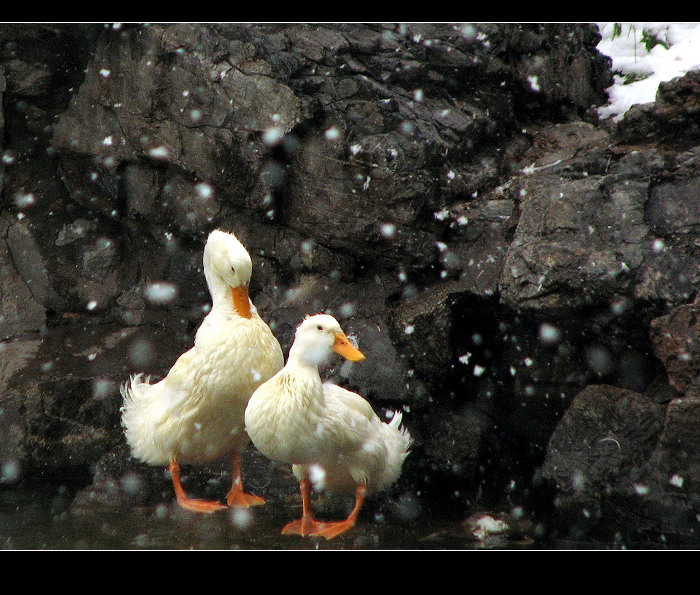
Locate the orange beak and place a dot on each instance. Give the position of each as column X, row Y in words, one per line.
column 241, row 301
column 343, row 346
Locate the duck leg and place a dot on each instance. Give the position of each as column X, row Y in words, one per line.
column 331, row 530
column 187, row 502
column 308, row 525
column 236, row 497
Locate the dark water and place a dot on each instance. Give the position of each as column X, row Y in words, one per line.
column 49, row 517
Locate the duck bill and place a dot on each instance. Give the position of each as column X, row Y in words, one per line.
column 343, row 346
column 241, row 301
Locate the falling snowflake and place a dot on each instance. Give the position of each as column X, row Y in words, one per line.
column 387, row 230
column 160, row 152
column 160, row 292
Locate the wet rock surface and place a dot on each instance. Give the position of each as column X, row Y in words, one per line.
column 522, row 278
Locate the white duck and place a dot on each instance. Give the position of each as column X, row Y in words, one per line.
column 196, row 413
column 330, row 435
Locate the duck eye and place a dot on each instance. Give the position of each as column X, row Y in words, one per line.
column 319, row 327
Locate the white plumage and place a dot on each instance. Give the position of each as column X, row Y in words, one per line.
column 196, row 413
column 330, row 435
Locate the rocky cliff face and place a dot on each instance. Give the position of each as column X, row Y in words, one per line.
column 522, row 278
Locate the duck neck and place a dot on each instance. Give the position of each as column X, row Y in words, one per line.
column 302, row 363
column 227, row 300
column 305, row 374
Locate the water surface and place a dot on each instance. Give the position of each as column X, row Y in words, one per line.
column 47, row 517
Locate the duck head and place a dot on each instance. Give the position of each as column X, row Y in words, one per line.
column 317, row 336
column 227, row 269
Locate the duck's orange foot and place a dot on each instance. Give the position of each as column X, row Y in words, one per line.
column 195, row 505
column 239, row 499
column 314, row 528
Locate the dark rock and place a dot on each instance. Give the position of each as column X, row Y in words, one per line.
column 604, row 437
column 671, row 120
column 659, row 500
column 20, row 312
column 676, row 338
column 590, row 236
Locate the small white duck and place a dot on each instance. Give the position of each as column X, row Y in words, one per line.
column 196, row 413
column 330, row 435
